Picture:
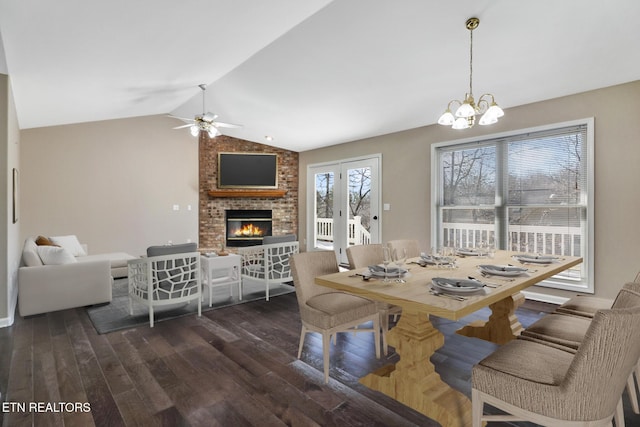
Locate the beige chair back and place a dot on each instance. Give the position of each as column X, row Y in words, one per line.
column 361, row 256
column 627, row 297
column 411, row 246
column 600, row 369
column 633, row 286
column 306, row 266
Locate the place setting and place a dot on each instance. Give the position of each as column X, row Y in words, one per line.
column 440, row 258
column 386, row 272
column 525, row 258
column 503, row 272
column 456, row 288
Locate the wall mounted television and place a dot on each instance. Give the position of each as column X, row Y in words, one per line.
column 247, row 170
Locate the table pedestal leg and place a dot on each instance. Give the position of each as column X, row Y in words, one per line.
column 413, row 380
column 502, row 326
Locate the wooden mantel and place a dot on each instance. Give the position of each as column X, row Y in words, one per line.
column 247, row 193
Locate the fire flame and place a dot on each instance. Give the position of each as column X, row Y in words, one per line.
column 248, row 230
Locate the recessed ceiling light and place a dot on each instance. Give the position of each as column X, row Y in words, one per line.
column 268, row 137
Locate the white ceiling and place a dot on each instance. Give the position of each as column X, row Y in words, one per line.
column 309, row 73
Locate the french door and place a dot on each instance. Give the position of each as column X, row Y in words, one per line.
column 343, row 204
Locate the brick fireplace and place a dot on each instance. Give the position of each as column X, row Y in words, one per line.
column 212, row 210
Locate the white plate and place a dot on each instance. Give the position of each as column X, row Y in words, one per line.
column 437, row 260
column 391, row 272
column 456, row 286
column 471, row 252
column 537, row 259
column 502, row 270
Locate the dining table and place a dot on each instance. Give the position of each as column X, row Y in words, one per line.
column 413, row 380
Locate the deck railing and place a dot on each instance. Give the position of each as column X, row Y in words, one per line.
column 358, row 235
column 526, row 238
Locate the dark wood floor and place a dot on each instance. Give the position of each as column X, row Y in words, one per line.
column 232, row 367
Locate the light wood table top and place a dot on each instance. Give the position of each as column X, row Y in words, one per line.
column 414, row 295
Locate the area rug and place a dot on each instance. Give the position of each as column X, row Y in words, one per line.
column 115, row 315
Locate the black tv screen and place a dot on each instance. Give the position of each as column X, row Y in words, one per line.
column 247, row 170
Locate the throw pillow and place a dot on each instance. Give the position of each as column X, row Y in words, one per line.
column 44, row 241
column 54, row 255
column 70, row 243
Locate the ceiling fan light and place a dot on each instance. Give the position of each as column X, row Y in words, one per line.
column 465, row 110
column 446, row 118
column 194, row 130
column 460, row 123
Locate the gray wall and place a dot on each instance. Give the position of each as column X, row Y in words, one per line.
column 406, row 181
column 112, row 183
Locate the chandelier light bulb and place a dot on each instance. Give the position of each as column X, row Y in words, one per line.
column 194, row 130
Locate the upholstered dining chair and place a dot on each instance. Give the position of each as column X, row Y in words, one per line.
column 326, row 311
column 362, row 256
column 587, row 306
column 412, row 247
column 550, row 386
column 568, row 331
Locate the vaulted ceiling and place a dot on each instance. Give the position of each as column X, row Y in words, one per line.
column 308, row 73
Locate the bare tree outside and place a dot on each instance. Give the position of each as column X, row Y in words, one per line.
column 360, row 195
column 324, row 195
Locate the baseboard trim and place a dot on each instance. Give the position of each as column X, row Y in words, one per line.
column 552, row 299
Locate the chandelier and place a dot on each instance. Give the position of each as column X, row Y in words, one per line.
column 465, row 115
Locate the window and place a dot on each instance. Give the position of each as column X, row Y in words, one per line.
column 530, row 191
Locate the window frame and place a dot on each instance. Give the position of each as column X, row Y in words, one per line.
column 586, row 284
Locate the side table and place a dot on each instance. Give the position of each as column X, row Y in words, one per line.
column 220, row 271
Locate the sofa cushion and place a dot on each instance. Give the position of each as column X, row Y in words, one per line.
column 44, row 241
column 30, row 256
column 54, row 255
column 70, row 243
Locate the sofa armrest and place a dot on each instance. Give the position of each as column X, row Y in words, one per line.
column 57, row 287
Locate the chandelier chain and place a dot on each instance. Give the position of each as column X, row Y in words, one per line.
column 471, row 64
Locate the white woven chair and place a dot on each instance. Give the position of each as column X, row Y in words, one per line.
column 268, row 263
column 550, row 386
column 326, row 311
column 362, row 256
column 165, row 280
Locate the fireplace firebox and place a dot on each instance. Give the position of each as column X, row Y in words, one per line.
column 247, row 227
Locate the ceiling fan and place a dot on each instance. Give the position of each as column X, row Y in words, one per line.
column 206, row 122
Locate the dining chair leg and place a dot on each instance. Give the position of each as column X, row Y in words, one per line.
column 633, row 395
column 619, row 415
column 477, row 406
column 326, row 344
column 303, row 333
column 376, row 336
column 384, row 325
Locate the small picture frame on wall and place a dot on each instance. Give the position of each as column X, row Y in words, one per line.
column 15, row 195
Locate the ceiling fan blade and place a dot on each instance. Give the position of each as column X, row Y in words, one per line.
column 225, row 125
column 181, row 118
column 183, row 126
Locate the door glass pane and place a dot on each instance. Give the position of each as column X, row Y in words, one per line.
column 324, row 186
column 359, row 206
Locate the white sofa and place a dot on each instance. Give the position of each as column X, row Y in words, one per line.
column 58, row 284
